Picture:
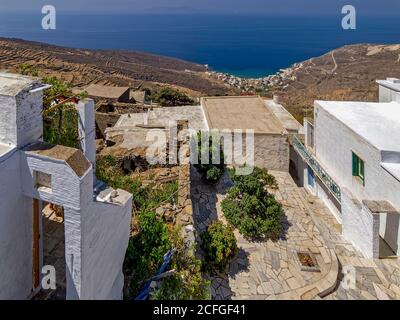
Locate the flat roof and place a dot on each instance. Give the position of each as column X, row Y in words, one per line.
column 247, row 112
column 73, row 157
column 391, row 83
column 11, row 84
column 393, row 169
column 162, row 117
column 4, row 149
column 98, row 90
column 378, row 123
column 284, row 116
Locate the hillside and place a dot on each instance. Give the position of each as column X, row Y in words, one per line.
column 347, row 73
column 82, row 67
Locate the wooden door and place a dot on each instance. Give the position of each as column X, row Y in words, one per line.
column 35, row 251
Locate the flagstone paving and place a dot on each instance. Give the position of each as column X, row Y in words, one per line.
column 270, row 269
column 360, row 278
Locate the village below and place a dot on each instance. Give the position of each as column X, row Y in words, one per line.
column 307, row 208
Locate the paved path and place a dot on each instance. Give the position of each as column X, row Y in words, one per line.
column 365, row 278
column 270, row 270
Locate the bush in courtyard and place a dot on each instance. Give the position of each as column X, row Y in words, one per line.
column 210, row 172
column 250, row 208
column 219, row 245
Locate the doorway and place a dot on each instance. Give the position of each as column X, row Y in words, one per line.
column 53, row 250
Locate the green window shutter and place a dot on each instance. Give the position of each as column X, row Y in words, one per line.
column 362, row 170
column 355, row 165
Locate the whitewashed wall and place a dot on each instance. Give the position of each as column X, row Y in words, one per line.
column 8, row 122
column 334, row 143
column 106, row 236
column 387, row 95
column 360, row 226
column 65, row 183
column 29, row 117
column 15, row 232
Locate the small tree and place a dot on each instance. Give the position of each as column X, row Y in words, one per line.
column 250, row 208
column 169, row 97
column 219, row 245
column 210, row 172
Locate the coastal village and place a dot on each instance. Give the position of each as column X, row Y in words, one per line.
column 316, row 217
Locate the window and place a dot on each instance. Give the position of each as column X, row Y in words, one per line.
column 358, row 168
column 42, row 181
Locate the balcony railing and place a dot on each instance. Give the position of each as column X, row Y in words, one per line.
column 332, row 186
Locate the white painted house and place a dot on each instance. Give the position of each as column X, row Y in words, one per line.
column 32, row 174
column 351, row 160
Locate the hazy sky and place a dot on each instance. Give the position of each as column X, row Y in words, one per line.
column 205, row 6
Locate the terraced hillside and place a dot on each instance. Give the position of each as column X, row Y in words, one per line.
column 347, row 73
column 82, row 67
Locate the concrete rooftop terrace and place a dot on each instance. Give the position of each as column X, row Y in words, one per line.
column 161, row 117
column 4, row 149
column 12, row 84
column 241, row 113
column 377, row 123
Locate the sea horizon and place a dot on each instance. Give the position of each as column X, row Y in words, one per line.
column 245, row 45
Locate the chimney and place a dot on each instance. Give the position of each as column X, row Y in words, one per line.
column 87, row 129
column 21, row 106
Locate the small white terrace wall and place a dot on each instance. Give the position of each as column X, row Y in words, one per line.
column 388, row 95
column 106, row 230
column 15, row 231
column 360, row 226
column 334, row 144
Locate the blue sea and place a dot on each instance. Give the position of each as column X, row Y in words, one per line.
column 243, row 45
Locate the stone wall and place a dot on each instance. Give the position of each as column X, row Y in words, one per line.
column 271, row 152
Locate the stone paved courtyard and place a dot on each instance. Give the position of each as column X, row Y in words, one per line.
column 270, row 270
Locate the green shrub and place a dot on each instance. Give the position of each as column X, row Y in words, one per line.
column 250, row 208
column 27, row 69
column 188, row 282
column 219, row 246
column 168, row 97
column 146, row 251
column 153, row 239
column 210, row 172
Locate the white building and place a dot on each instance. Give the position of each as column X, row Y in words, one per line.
column 267, row 123
column 351, row 159
column 33, row 174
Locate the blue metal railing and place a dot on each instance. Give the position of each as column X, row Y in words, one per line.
column 332, row 186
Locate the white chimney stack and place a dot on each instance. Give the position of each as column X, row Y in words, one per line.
column 87, row 129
